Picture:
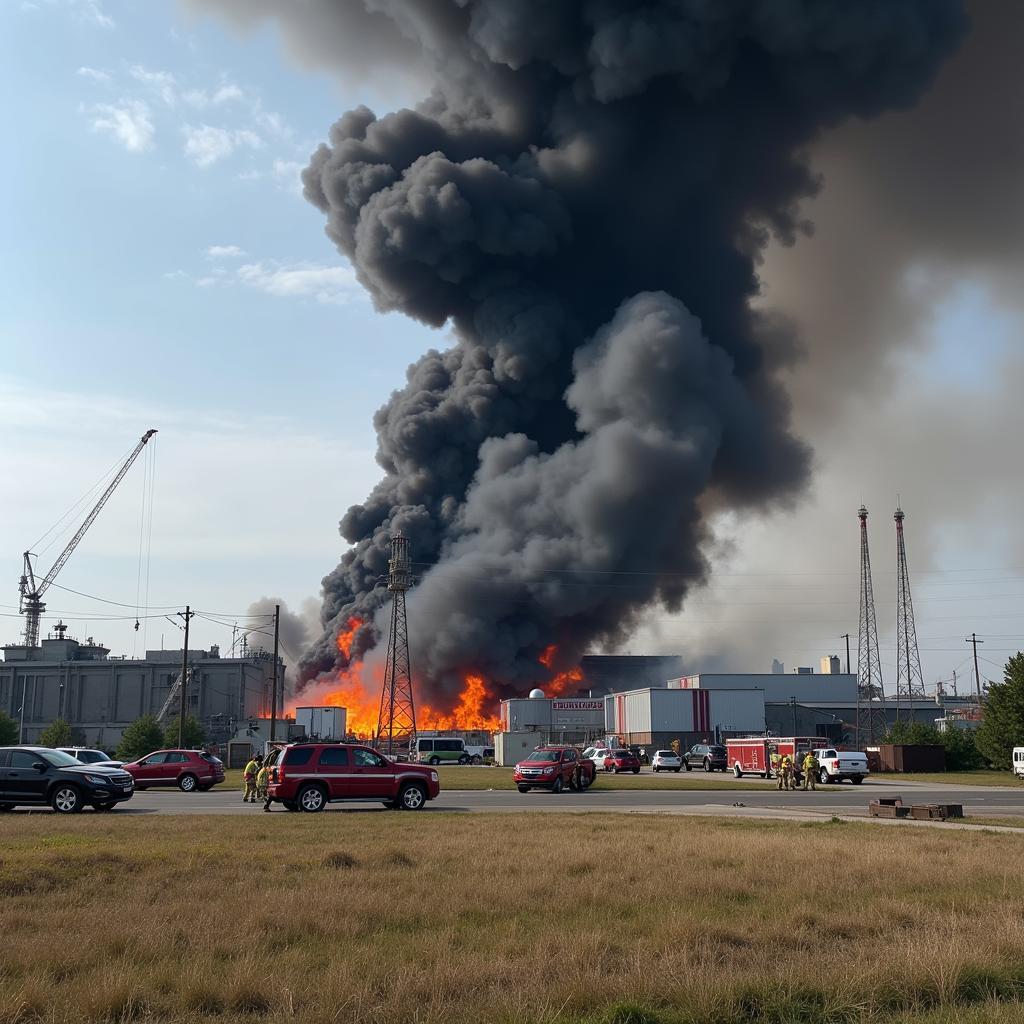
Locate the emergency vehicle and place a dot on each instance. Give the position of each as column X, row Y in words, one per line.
column 751, row 755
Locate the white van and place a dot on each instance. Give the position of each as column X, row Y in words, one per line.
column 1018, row 762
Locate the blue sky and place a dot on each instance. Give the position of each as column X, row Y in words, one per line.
column 160, row 269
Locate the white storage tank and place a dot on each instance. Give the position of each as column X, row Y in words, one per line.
column 322, row 723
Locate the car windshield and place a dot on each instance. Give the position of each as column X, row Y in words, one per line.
column 546, row 755
column 664, row 753
column 58, row 758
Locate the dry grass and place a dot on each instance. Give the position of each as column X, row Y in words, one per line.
column 375, row 917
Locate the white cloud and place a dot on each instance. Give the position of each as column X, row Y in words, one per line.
column 161, row 82
column 200, row 99
column 224, row 252
column 95, row 74
column 305, row 280
column 128, row 122
column 287, row 175
column 205, row 145
column 90, row 11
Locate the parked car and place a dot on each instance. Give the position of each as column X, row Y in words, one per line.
column 641, row 753
column 622, row 760
column 308, row 776
column 597, row 755
column 440, row 750
column 836, row 765
column 479, row 755
column 37, row 776
column 555, row 768
column 189, row 770
column 86, row 755
column 666, row 761
column 709, row 756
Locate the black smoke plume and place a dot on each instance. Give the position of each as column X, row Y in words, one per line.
column 583, row 197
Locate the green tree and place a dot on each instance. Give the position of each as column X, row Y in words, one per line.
column 194, row 734
column 1002, row 723
column 913, row 732
column 142, row 737
column 56, row 734
column 8, row 730
column 962, row 753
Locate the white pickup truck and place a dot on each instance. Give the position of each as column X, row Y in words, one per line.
column 836, row 765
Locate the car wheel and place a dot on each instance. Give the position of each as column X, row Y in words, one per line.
column 105, row 805
column 66, row 799
column 557, row 785
column 187, row 783
column 585, row 781
column 311, row 799
column 636, row 771
column 824, row 777
column 857, row 779
column 688, row 766
column 412, row 797
column 435, row 761
column 679, row 769
column 464, row 759
column 523, row 789
column 707, row 764
column 477, row 759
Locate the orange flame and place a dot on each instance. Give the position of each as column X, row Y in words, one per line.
column 346, row 636
column 471, row 712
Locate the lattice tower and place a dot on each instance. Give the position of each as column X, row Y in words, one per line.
column 870, row 689
column 396, row 722
column 909, row 680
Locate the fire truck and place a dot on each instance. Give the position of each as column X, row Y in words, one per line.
column 751, row 755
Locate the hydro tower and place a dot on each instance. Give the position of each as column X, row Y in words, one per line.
column 870, row 691
column 909, row 680
column 396, row 722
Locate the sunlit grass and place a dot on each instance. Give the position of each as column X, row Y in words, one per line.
column 384, row 916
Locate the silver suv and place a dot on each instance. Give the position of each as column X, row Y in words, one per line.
column 89, row 756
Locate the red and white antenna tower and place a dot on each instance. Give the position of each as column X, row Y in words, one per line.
column 396, row 722
column 909, row 680
column 870, row 691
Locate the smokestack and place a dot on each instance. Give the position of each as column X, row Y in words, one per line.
column 583, row 198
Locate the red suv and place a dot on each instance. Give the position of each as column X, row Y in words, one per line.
column 622, row 761
column 307, row 776
column 189, row 770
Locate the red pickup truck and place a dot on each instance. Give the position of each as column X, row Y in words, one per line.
column 555, row 768
column 308, row 776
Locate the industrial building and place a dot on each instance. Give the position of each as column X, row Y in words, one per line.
column 100, row 695
column 556, row 719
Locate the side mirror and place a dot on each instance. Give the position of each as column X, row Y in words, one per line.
column 39, row 766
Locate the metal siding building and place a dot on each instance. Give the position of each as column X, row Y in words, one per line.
column 805, row 687
column 100, row 696
column 557, row 719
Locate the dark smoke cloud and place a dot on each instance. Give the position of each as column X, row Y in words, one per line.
column 297, row 631
column 584, row 197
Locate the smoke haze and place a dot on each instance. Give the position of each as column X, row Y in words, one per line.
column 585, row 197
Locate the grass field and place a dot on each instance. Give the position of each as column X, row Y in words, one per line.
column 959, row 778
column 374, row 918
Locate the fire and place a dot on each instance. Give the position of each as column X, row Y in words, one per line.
column 346, row 636
column 474, row 710
column 561, row 683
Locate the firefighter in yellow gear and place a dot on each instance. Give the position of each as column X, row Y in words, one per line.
column 249, row 773
column 776, row 763
column 787, row 772
column 262, row 781
column 810, row 766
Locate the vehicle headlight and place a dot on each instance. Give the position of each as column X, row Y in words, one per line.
column 433, row 776
column 549, row 771
column 97, row 780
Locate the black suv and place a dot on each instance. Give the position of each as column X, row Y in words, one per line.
column 709, row 756
column 36, row 776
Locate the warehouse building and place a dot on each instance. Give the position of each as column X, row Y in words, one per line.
column 100, row 696
column 555, row 719
column 654, row 717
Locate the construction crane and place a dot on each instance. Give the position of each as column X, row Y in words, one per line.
column 31, row 591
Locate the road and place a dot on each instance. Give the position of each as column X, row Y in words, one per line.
column 844, row 800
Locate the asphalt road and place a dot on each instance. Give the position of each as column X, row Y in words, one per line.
column 841, row 800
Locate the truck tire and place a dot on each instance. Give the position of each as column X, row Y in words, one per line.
column 736, row 771
column 523, row 789
column 824, row 776
column 412, row 797
column 312, row 799
column 856, row 779
column 556, row 786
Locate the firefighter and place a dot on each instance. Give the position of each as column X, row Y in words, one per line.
column 786, row 777
column 262, row 781
column 776, row 764
column 249, row 776
column 810, row 771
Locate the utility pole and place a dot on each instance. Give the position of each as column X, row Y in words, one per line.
column 273, row 698
column 846, row 637
column 793, row 702
column 974, row 641
column 187, row 615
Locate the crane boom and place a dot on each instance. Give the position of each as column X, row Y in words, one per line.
column 31, row 592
